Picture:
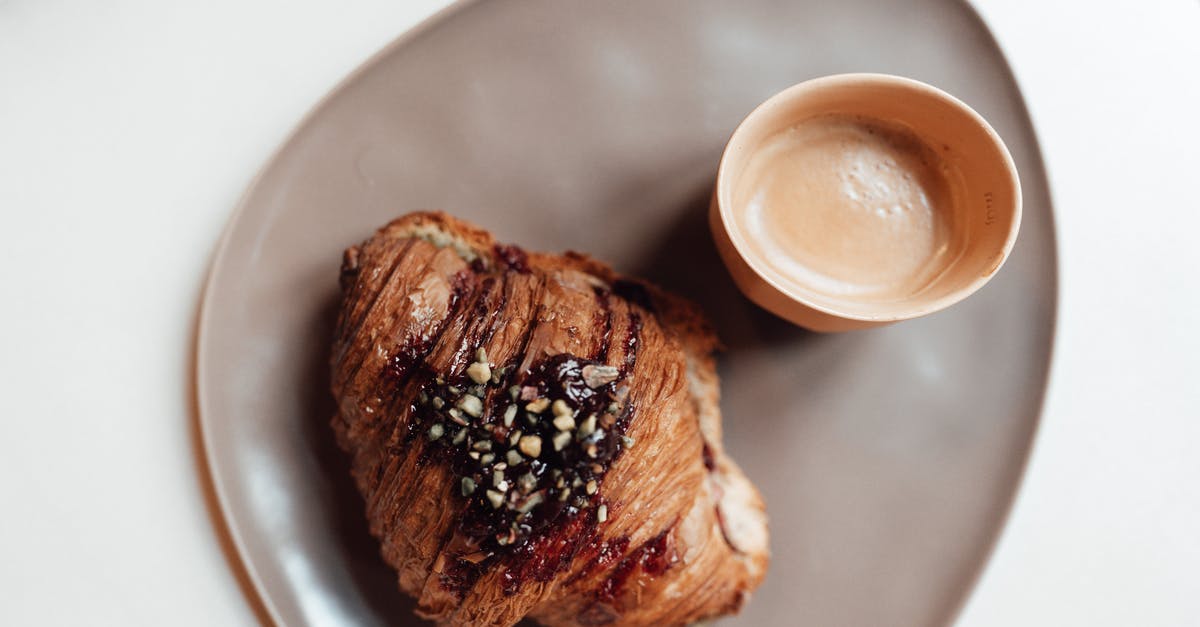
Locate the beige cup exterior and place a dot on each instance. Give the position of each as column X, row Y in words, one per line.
column 989, row 207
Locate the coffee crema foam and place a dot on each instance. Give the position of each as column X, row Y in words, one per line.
column 850, row 207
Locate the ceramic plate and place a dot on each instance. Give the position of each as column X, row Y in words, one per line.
column 888, row 458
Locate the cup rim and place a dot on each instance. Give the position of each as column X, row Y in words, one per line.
column 890, row 81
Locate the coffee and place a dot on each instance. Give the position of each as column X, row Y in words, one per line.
column 850, row 207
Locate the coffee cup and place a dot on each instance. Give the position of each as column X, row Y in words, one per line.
column 859, row 200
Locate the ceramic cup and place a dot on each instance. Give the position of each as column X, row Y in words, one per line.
column 985, row 211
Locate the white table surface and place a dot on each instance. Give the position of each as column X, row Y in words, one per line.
column 128, row 130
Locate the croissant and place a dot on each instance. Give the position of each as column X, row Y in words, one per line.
column 536, row 436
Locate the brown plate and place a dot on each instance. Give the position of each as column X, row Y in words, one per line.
column 888, row 457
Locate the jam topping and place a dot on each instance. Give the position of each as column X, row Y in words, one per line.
column 526, row 452
column 653, row 557
column 512, row 257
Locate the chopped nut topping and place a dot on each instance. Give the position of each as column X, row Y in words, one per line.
column 627, row 441
column 479, row 372
column 596, row 376
column 471, row 404
column 588, row 426
column 537, row 406
column 559, row 411
column 530, row 445
column 533, row 501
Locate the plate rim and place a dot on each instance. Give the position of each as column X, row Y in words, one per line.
column 970, row 584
